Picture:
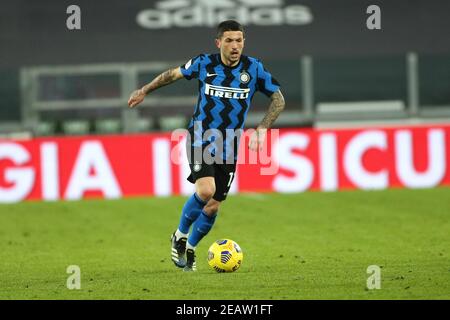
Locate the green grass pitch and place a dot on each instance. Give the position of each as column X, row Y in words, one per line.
column 298, row 246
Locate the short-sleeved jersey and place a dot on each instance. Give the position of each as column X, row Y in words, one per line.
column 225, row 93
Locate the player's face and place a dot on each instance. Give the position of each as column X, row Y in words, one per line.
column 231, row 45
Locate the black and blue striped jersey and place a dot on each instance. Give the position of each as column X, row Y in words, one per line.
column 225, row 93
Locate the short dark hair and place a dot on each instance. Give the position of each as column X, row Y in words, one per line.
column 228, row 25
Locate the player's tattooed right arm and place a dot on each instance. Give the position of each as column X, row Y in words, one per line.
column 163, row 79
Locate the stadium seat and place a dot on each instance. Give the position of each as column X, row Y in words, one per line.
column 76, row 127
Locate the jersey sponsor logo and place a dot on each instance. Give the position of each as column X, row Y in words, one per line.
column 226, row 92
column 211, row 74
column 209, row 13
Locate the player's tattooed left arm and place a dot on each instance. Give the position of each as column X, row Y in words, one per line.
column 276, row 106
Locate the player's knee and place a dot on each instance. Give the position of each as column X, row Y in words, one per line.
column 206, row 192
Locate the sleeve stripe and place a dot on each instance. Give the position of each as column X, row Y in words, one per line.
column 191, row 68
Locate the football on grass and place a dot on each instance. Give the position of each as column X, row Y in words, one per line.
column 225, row 255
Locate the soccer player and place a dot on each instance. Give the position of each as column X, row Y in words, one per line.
column 227, row 82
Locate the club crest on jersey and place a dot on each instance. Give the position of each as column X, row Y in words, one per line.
column 244, row 77
column 197, row 166
column 226, row 92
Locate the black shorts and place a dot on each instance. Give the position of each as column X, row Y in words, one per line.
column 222, row 170
column 223, row 176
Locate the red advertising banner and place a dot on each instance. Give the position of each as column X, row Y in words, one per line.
column 294, row 160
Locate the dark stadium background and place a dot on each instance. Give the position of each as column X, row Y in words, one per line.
column 367, row 64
